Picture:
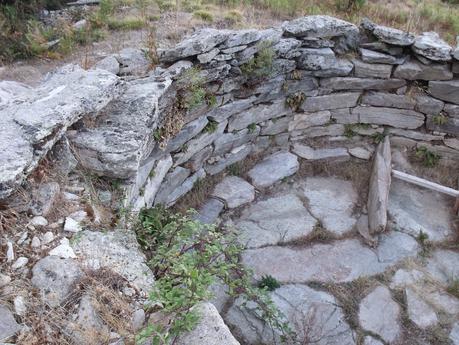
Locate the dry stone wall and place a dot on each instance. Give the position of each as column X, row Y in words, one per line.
column 318, row 86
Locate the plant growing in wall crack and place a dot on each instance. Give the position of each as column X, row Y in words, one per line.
column 261, row 65
column 187, row 257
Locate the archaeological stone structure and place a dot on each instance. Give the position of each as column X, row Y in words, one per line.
column 315, row 89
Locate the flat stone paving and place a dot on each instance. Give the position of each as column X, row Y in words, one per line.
column 281, row 230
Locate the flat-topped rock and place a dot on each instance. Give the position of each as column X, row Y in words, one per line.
column 442, row 265
column 352, row 83
column 117, row 250
column 36, row 120
column 371, row 70
column 340, row 261
column 393, row 36
column 371, row 56
column 400, row 118
column 273, row 169
column 278, row 219
column 315, row 316
column 431, row 46
column 380, row 314
column 413, row 70
column 234, row 191
column 210, row 330
column 445, row 90
column 421, row 313
column 384, row 99
column 414, row 209
column 319, row 26
column 327, row 102
column 200, row 42
column 309, row 153
column 331, row 201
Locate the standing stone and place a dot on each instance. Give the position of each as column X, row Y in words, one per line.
column 234, row 191
column 8, row 325
column 379, row 313
column 413, row 70
column 378, row 195
column 431, row 46
column 445, row 90
column 274, row 168
column 422, row 314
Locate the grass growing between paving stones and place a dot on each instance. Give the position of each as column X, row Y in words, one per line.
column 187, row 257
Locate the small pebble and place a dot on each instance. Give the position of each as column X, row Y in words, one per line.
column 19, row 305
column 10, row 252
column 23, row 237
column 63, row 250
column 20, row 262
column 71, row 225
column 36, row 243
column 39, row 221
column 70, row 196
column 79, row 216
column 4, row 280
column 47, row 237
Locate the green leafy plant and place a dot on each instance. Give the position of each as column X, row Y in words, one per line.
column 252, row 127
column 440, row 119
column 349, row 130
column 211, row 126
column 235, row 169
column 378, row 137
column 261, row 65
column 187, row 257
column 269, row 283
column 193, row 91
column 428, row 158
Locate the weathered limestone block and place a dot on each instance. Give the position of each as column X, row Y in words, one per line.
column 316, row 59
column 36, row 120
column 310, row 153
column 276, row 126
column 378, row 195
column 340, row 68
column 380, row 314
column 319, row 27
column 241, row 37
column 209, row 212
column 450, row 127
column 452, row 110
column 413, row 70
column 303, row 121
column 431, row 46
column 416, row 135
column 350, row 83
column 383, row 99
column 421, row 313
column 371, row 56
column 210, row 330
column 200, row 42
column 55, row 278
column 234, row 191
column 344, row 116
column 197, row 161
column 119, row 251
column 11, row 91
column 428, row 105
column 279, row 219
column 156, row 179
column 237, row 154
column 273, row 168
column 228, row 141
column 367, row 70
column 383, row 48
column 8, row 325
column 222, row 113
column 328, row 102
column 183, row 188
column 312, row 315
column 286, row 46
column 122, row 135
column 391, row 35
column 198, row 143
column 445, row 90
column 400, row 118
column 172, row 181
column 133, row 61
column 189, row 131
column 257, row 114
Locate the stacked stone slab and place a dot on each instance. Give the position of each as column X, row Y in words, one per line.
column 322, row 80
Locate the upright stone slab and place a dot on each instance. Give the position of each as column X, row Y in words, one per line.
column 378, row 195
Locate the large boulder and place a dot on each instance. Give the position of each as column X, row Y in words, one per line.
column 32, row 125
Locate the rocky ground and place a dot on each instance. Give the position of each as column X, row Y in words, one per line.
column 336, row 288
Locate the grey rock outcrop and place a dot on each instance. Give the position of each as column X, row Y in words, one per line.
column 431, row 46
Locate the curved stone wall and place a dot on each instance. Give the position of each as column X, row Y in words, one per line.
column 318, row 86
